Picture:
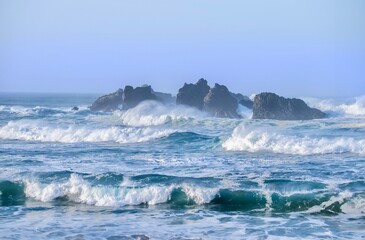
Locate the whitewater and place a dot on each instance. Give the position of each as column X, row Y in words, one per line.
column 172, row 172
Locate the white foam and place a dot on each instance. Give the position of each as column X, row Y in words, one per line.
column 244, row 112
column 354, row 107
column 152, row 113
column 37, row 130
column 355, row 205
column 30, row 111
column 80, row 191
column 340, row 198
column 200, row 195
column 264, row 140
column 19, row 110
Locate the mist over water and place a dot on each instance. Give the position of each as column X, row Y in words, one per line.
column 154, row 169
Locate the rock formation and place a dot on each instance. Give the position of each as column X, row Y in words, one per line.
column 193, row 94
column 271, row 106
column 220, row 103
column 133, row 96
column 248, row 103
column 108, row 102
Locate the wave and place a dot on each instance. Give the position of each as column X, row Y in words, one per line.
column 22, row 111
column 354, row 107
column 265, row 140
column 152, row 113
column 37, row 130
column 77, row 189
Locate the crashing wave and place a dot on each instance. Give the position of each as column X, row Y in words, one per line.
column 274, row 195
column 354, row 107
column 152, row 113
column 37, row 130
column 78, row 190
column 264, row 140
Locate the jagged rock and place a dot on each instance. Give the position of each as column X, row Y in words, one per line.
column 193, row 94
column 271, row 106
column 133, row 96
column 238, row 96
column 220, row 103
column 248, row 103
column 108, row 102
column 243, row 100
column 75, row 109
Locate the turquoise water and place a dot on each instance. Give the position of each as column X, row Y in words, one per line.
column 172, row 172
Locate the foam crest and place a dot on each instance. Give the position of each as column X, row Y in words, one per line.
column 36, row 130
column 78, row 190
column 30, row 111
column 264, row 140
column 354, row 206
column 348, row 107
column 244, row 112
column 200, row 195
column 340, row 199
column 152, row 113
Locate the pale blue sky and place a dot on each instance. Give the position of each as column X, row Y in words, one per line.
column 294, row 48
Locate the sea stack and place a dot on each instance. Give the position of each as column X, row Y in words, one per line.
column 193, row 94
column 220, row 103
column 271, row 106
column 133, row 96
column 109, row 102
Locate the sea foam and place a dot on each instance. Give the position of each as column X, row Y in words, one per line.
column 267, row 140
column 152, row 113
column 78, row 190
column 352, row 107
column 38, row 130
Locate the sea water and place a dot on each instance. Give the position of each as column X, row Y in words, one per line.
column 172, row 172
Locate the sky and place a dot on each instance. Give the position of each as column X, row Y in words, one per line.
column 290, row 47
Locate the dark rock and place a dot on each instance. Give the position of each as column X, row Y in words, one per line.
column 75, row 109
column 248, row 103
column 243, row 100
column 238, row 96
column 133, row 96
column 108, row 102
column 220, row 102
column 193, row 94
column 271, row 106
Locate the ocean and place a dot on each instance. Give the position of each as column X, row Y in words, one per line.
column 172, row 172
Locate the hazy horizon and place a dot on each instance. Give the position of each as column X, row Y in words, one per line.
column 293, row 48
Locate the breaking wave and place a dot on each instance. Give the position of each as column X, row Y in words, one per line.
column 78, row 190
column 265, row 140
column 276, row 195
column 37, row 130
column 22, row 111
column 152, row 113
column 354, row 107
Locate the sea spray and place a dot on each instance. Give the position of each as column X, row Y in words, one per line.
column 38, row 130
column 251, row 139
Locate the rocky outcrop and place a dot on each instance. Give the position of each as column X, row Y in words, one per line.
column 248, row 103
column 108, row 102
column 133, row 96
column 220, row 103
column 193, row 94
column 271, row 106
column 243, row 100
